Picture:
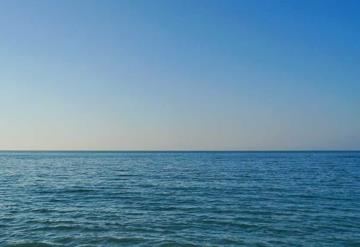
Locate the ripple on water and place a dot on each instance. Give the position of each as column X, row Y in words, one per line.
column 31, row 244
column 179, row 199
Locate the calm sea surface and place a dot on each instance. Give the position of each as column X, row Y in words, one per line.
column 179, row 199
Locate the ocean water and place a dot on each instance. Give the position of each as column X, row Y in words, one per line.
column 179, row 199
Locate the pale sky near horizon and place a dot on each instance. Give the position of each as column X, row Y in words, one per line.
column 189, row 75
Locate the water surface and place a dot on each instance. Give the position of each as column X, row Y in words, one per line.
column 179, row 199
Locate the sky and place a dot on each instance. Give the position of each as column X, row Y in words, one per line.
column 179, row 75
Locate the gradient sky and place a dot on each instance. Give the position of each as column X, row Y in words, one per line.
column 179, row 74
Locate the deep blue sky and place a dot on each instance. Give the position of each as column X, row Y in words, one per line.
column 180, row 74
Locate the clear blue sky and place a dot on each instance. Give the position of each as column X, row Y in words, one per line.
column 180, row 74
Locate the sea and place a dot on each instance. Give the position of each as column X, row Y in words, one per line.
column 179, row 199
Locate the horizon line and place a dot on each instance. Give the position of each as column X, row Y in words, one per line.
column 179, row 150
